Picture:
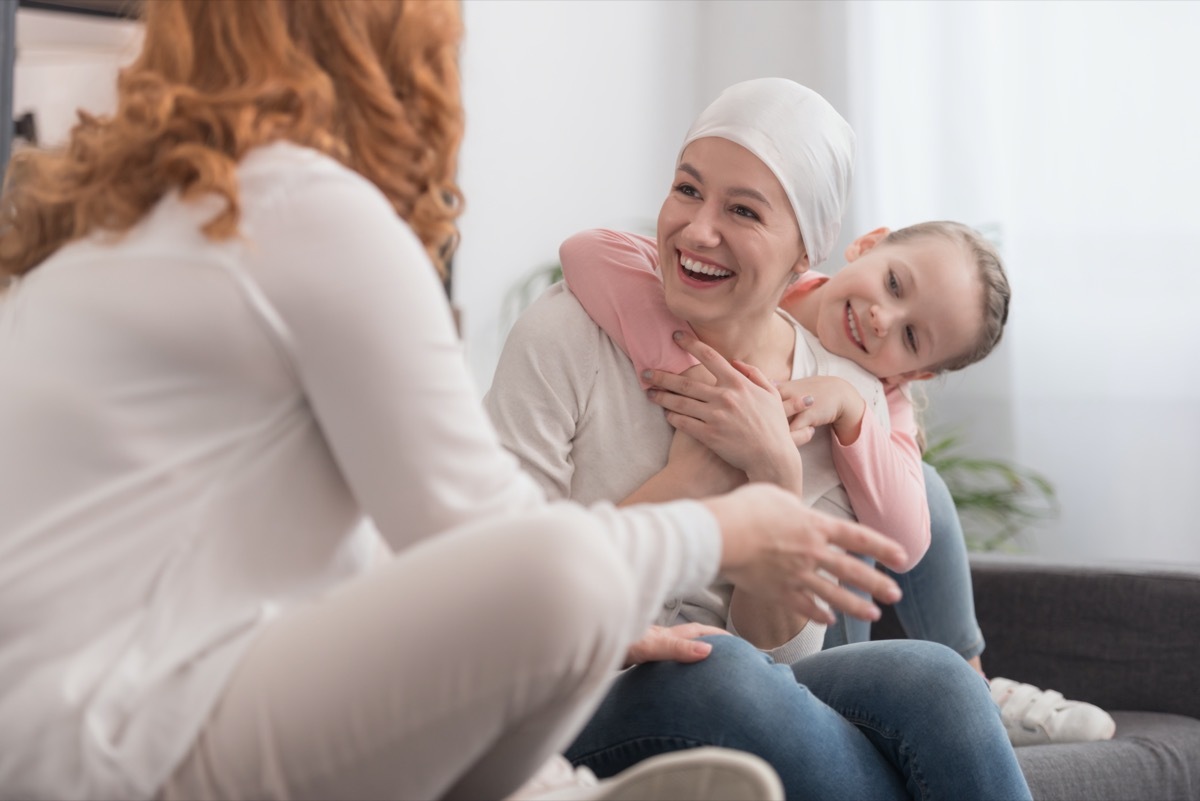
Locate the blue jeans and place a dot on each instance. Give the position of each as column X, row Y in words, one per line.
column 939, row 602
column 877, row 720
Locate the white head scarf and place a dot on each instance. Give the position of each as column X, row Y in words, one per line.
column 801, row 138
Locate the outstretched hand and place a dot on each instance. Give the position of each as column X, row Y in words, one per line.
column 776, row 548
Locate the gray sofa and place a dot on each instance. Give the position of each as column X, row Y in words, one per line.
column 1124, row 638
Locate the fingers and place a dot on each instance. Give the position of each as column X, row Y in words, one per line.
column 834, row 595
column 693, row 630
column 679, row 384
column 679, row 649
column 794, row 404
column 678, row 406
column 851, row 570
column 860, row 539
column 840, row 598
column 805, row 602
column 715, row 362
column 755, row 375
column 803, row 435
column 677, row 643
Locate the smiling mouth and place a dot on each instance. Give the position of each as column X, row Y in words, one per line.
column 699, row 271
column 852, row 326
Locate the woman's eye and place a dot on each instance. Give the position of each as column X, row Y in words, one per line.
column 893, row 283
column 686, row 189
column 743, row 211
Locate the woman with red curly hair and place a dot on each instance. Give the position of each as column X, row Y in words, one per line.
column 225, row 350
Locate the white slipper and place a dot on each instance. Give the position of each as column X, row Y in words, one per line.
column 1034, row 716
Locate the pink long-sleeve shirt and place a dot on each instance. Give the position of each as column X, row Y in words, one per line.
column 615, row 276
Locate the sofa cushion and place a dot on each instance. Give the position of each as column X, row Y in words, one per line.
column 1153, row 755
column 1120, row 639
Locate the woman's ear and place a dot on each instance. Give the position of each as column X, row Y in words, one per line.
column 865, row 242
column 801, row 266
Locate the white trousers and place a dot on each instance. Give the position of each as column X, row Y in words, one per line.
column 454, row 670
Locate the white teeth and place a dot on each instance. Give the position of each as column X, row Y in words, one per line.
column 704, row 269
column 853, row 327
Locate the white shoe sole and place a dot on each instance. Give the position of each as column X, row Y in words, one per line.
column 697, row 774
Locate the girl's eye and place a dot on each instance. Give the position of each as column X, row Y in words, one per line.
column 743, row 211
column 686, row 189
column 893, row 283
column 910, row 335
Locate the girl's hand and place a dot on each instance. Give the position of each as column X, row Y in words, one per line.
column 820, row 401
column 739, row 417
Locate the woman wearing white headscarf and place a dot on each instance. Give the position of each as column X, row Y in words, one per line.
column 758, row 193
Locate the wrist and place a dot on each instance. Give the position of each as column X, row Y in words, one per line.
column 848, row 426
column 786, row 471
column 742, row 517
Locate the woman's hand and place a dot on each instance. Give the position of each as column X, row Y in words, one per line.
column 819, row 401
column 701, row 470
column 740, row 417
column 672, row 644
column 692, row 471
column 774, row 546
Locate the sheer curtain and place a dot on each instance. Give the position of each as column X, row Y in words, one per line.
column 1070, row 132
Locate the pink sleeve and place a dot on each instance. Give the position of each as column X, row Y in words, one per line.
column 614, row 277
column 884, row 480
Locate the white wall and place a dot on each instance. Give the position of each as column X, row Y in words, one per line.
column 65, row 62
column 1074, row 127
column 574, row 115
column 575, row 110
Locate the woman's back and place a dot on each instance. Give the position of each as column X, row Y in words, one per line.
column 161, row 462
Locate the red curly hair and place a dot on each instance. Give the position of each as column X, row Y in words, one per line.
column 371, row 83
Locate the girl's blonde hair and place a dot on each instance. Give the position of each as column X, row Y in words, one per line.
column 996, row 291
column 371, row 83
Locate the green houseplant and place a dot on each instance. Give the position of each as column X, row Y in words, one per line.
column 996, row 499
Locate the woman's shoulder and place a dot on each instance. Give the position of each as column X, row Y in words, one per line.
column 556, row 317
column 288, row 158
column 281, row 170
column 300, row 193
column 556, row 333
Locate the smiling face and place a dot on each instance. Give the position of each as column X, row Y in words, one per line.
column 900, row 309
column 728, row 240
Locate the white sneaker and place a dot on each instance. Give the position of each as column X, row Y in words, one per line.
column 1035, row 717
column 703, row 774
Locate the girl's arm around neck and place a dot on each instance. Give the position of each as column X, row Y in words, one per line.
column 613, row 275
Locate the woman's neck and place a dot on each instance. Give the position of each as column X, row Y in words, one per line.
column 768, row 344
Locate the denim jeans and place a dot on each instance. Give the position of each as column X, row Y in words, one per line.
column 877, row 720
column 939, row 602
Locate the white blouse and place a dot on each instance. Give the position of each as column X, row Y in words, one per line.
column 192, row 437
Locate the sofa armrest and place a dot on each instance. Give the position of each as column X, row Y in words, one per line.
column 1119, row 637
